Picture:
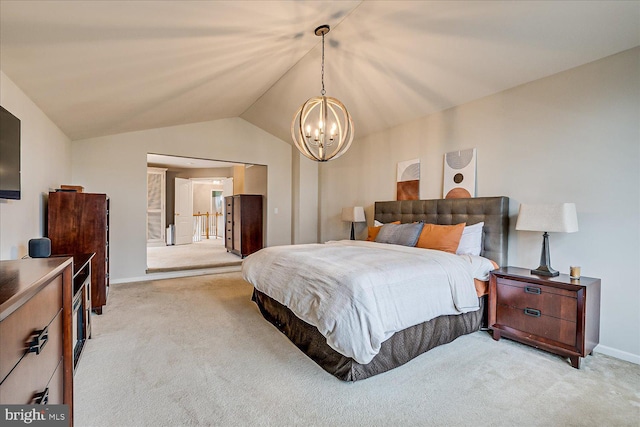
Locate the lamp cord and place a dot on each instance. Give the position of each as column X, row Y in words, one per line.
column 322, row 92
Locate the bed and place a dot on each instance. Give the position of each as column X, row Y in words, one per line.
column 397, row 346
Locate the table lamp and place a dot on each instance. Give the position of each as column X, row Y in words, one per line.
column 353, row 215
column 558, row 218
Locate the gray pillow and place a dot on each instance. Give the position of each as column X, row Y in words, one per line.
column 400, row 234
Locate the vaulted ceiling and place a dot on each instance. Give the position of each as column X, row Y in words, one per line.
column 105, row 67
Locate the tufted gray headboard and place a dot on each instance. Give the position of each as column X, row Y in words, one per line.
column 494, row 211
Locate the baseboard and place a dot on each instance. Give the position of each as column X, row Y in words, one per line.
column 618, row 354
column 181, row 273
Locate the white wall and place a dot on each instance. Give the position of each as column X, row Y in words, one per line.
column 255, row 180
column 570, row 137
column 45, row 159
column 117, row 165
column 202, row 196
column 305, row 199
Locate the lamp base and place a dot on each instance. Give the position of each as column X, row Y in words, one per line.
column 545, row 270
column 545, row 260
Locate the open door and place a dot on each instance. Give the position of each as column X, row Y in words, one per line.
column 183, row 216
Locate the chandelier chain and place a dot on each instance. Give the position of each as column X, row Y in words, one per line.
column 322, row 92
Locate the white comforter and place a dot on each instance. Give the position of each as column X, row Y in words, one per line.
column 358, row 293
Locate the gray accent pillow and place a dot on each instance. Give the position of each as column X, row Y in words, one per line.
column 400, row 234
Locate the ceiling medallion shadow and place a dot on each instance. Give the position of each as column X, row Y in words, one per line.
column 322, row 128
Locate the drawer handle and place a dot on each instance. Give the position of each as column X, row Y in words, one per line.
column 42, row 398
column 38, row 342
column 532, row 290
column 532, row 312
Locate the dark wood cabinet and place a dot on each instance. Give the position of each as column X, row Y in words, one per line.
column 79, row 223
column 557, row 314
column 36, row 351
column 243, row 224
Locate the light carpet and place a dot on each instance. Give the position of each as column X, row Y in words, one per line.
column 207, row 253
column 195, row 351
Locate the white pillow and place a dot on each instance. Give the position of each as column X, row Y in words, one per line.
column 471, row 240
column 377, row 223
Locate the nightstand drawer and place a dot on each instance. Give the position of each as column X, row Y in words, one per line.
column 554, row 302
column 531, row 286
column 538, row 323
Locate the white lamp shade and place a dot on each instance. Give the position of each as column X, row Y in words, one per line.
column 353, row 214
column 559, row 218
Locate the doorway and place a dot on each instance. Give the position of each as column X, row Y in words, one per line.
column 208, row 199
column 194, row 199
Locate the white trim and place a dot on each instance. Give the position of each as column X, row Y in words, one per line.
column 618, row 354
column 179, row 273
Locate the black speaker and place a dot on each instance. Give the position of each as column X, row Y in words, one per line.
column 40, row 248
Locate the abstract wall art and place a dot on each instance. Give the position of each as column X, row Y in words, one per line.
column 408, row 180
column 459, row 174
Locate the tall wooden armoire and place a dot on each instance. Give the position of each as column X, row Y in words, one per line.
column 79, row 224
column 243, row 224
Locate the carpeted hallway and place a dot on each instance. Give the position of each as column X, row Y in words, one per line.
column 196, row 352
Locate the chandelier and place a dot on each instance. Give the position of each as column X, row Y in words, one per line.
column 322, row 128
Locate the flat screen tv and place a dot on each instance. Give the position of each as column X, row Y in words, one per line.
column 9, row 155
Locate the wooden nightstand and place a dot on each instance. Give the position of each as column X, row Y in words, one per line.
column 556, row 314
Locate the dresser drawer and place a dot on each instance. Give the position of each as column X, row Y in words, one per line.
column 54, row 388
column 34, row 371
column 542, row 325
column 559, row 303
column 18, row 328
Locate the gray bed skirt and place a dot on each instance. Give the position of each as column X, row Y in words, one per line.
column 397, row 350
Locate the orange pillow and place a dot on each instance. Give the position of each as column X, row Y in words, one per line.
column 373, row 232
column 441, row 237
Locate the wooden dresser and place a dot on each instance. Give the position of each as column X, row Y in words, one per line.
column 243, row 224
column 36, row 351
column 79, row 223
column 557, row 314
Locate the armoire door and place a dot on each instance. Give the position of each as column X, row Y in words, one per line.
column 156, row 196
